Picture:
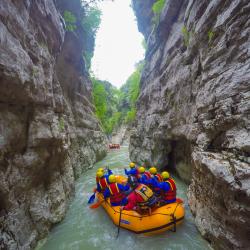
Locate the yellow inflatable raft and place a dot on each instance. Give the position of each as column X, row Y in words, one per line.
column 161, row 219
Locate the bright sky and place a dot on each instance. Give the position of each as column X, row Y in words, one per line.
column 118, row 43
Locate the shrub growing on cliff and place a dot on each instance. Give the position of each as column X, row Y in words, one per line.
column 130, row 117
column 61, row 124
column 186, row 35
column 210, row 36
column 106, row 98
column 100, row 99
column 70, row 20
column 90, row 23
column 130, row 92
column 157, row 9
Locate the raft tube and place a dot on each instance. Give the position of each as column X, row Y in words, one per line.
column 161, row 219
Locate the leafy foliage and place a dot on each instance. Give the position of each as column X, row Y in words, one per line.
column 158, row 6
column 116, row 106
column 83, row 18
column 210, row 36
column 91, row 20
column 186, row 35
column 61, row 124
column 130, row 115
column 70, row 20
column 157, row 9
column 106, row 98
column 90, row 24
column 129, row 94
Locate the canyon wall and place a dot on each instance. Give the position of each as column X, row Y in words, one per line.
column 194, row 108
column 48, row 131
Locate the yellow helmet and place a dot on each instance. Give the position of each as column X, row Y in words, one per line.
column 100, row 170
column 99, row 174
column 112, row 178
column 153, row 170
column 165, row 175
column 132, row 164
column 141, row 169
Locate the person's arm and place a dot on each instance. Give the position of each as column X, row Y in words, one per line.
column 133, row 171
column 109, row 172
column 164, row 186
column 106, row 193
column 144, row 180
column 123, row 188
column 98, row 187
column 126, row 171
column 154, row 182
column 131, row 203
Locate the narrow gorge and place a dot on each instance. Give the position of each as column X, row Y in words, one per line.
column 185, row 109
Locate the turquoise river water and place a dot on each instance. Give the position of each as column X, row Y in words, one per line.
column 89, row 229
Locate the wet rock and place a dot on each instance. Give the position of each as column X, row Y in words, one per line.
column 48, row 132
column 121, row 135
column 193, row 111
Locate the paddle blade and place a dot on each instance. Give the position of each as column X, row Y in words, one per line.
column 179, row 200
column 96, row 205
column 91, row 199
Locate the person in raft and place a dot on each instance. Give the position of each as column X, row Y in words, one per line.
column 143, row 176
column 155, row 179
column 141, row 198
column 103, row 170
column 101, row 181
column 133, row 170
column 168, row 189
column 109, row 171
column 115, row 191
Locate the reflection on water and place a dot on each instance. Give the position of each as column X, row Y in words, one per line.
column 88, row 229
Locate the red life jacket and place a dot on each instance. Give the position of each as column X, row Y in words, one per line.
column 103, row 183
column 159, row 177
column 97, row 179
column 148, row 175
column 171, row 194
column 137, row 174
column 144, row 196
column 116, row 194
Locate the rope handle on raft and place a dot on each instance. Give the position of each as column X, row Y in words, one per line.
column 179, row 201
column 174, row 220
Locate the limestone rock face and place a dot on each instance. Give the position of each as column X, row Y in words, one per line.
column 121, row 135
column 194, row 109
column 48, row 132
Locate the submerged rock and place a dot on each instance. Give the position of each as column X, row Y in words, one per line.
column 193, row 110
column 48, row 132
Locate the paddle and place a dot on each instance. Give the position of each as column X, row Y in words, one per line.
column 119, row 223
column 97, row 204
column 91, row 199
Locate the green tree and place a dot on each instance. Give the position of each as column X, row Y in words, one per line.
column 100, row 99
column 117, row 106
column 90, row 23
column 129, row 94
